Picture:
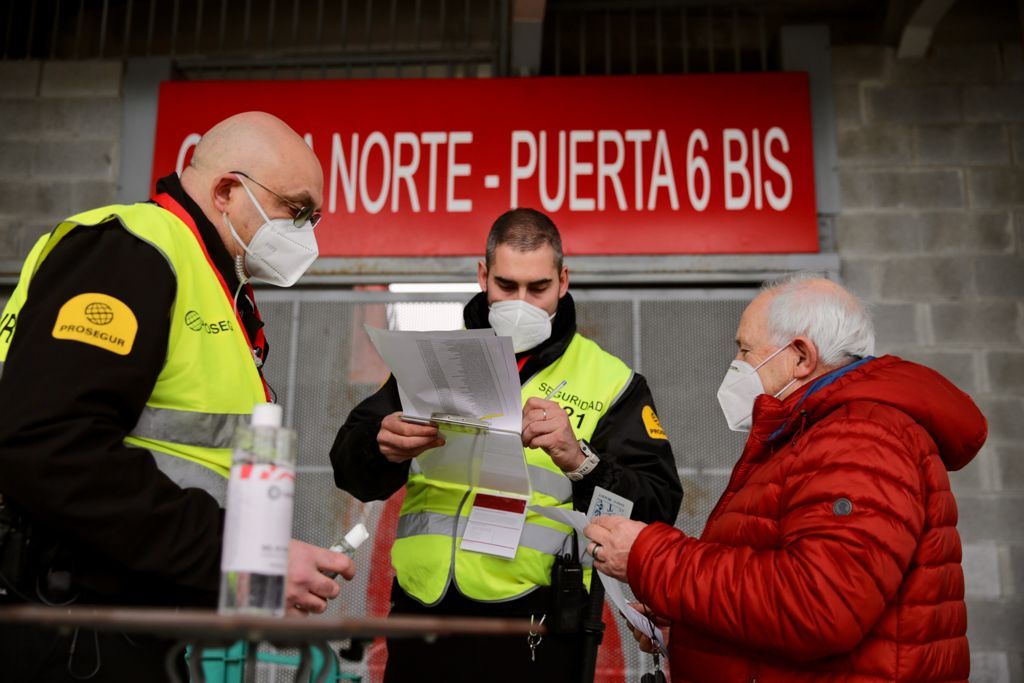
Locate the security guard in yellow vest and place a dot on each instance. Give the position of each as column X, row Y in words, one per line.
column 130, row 349
column 599, row 429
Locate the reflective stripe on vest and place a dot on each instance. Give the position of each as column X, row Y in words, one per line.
column 426, row 556
column 553, row 484
column 192, row 475
column 540, row 538
column 203, row 430
column 208, row 381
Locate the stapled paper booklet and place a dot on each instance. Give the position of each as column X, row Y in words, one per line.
column 466, row 383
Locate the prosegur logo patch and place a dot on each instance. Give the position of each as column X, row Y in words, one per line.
column 195, row 322
column 99, row 313
column 99, row 320
column 653, row 424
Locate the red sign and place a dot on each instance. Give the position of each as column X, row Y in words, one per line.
column 704, row 164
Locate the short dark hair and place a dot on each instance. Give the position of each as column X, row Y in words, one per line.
column 524, row 230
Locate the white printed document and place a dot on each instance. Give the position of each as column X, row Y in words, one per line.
column 495, row 525
column 469, row 374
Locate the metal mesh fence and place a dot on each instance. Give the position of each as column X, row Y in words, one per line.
column 687, row 346
column 321, row 365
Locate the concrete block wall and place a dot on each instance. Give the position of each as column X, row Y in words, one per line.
column 931, row 233
column 931, row 164
column 60, row 129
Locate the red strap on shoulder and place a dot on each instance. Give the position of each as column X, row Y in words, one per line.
column 169, row 203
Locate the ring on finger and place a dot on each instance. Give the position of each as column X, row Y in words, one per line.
column 545, row 411
column 593, row 553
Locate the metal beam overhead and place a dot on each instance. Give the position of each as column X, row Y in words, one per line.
column 917, row 34
column 527, row 35
column 808, row 48
column 142, row 79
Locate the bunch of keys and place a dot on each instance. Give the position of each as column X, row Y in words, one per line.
column 656, row 676
column 533, row 639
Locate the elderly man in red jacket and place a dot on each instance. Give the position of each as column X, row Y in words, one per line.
column 833, row 553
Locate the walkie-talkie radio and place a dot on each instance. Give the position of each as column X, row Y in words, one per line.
column 569, row 597
column 15, row 538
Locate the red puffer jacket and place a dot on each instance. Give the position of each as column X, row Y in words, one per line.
column 833, row 553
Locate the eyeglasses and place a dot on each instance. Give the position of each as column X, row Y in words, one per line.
column 300, row 214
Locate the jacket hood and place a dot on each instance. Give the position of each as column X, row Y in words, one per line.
column 948, row 415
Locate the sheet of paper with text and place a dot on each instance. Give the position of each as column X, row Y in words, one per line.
column 466, row 373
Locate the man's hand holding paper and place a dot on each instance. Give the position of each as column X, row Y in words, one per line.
column 546, row 426
column 463, row 377
column 400, row 441
column 612, row 538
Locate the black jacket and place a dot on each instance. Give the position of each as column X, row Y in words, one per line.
column 633, row 464
column 127, row 533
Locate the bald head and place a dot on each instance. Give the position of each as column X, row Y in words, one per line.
column 254, row 142
column 264, row 148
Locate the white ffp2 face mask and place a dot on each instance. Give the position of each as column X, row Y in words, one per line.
column 279, row 253
column 527, row 324
column 740, row 388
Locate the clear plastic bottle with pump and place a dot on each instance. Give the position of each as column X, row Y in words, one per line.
column 258, row 522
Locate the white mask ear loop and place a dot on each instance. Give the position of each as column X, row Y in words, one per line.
column 239, row 262
column 239, row 259
column 777, row 352
column 781, row 391
column 263, row 214
column 242, row 279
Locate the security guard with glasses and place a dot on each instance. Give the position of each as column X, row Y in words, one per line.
column 131, row 348
column 599, row 429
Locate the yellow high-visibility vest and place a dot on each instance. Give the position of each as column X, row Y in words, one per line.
column 426, row 553
column 209, row 382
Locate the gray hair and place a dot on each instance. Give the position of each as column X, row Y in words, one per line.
column 806, row 304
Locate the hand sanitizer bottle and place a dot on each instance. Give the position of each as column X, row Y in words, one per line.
column 258, row 522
